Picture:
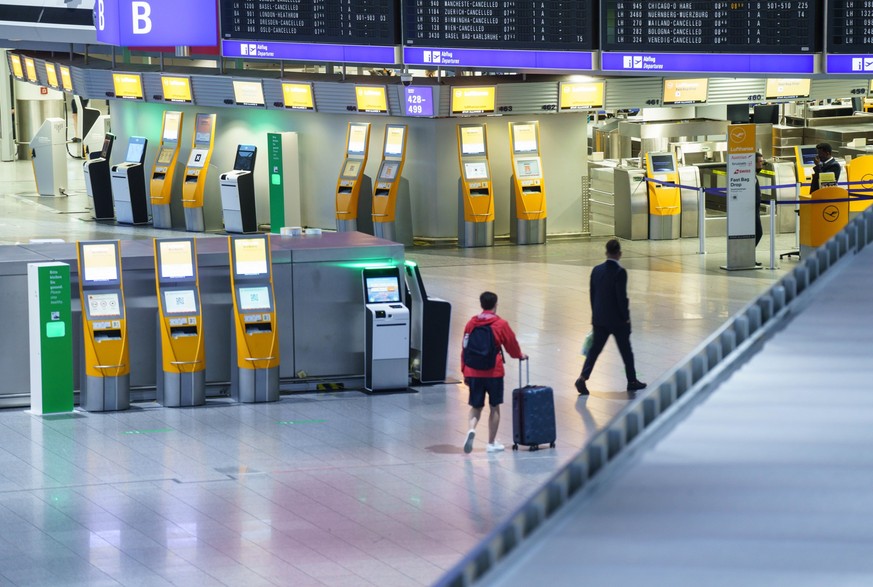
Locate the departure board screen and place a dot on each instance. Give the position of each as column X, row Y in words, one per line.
column 360, row 22
column 850, row 26
column 696, row 26
column 556, row 25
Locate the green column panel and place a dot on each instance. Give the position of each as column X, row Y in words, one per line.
column 277, row 182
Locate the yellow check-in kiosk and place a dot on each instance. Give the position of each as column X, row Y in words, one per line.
column 164, row 168
column 804, row 161
column 860, row 169
column 392, row 214
column 354, row 189
column 664, row 199
column 181, row 374
column 255, row 337
column 820, row 216
column 527, row 224
column 475, row 195
column 106, row 383
column 194, row 185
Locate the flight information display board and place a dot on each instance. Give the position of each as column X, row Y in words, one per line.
column 363, row 22
column 695, row 26
column 500, row 24
column 850, row 26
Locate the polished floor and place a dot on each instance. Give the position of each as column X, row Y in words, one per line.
column 331, row 488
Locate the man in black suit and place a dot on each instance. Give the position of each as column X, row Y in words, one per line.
column 824, row 163
column 610, row 314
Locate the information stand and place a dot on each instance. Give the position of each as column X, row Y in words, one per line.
column 196, row 170
column 128, row 184
column 106, row 384
column 181, row 376
column 238, row 192
column 664, row 200
column 255, row 336
column 49, row 157
column 386, row 359
column 475, row 196
column 528, row 192
column 98, row 183
column 164, row 168
column 392, row 212
column 430, row 321
column 354, row 189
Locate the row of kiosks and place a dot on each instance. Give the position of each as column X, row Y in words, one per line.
column 391, row 201
column 475, row 194
column 664, row 196
column 194, row 184
column 118, row 191
column 354, row 189
column 164, row 168
column 528, row 193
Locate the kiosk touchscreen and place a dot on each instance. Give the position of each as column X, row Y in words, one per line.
column 528, row 196
column 181, row 374
column 238, row 192
column 106, row 384
column 386, row 358
column 48, row 149
column 664, row 196
column 392, row 215
column 194, row 185
column 475, row 196
column 255, row 376
column 804, row 156
column 354, row 189
column 98, row 183
column 164, row 168
column 128, row 184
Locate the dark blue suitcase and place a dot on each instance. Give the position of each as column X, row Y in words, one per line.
column 533, row 414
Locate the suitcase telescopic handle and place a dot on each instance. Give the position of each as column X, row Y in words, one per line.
column 526, row 361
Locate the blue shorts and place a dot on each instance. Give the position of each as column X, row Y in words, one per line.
column 479, row 386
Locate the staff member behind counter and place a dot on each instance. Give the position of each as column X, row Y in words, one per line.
column 824, row 163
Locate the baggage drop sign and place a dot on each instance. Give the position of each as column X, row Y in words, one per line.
column 741, row 181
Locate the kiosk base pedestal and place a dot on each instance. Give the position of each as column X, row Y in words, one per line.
column 663, row 227
column 104, row 394
column 529, row 232
column 161, row 216
column 181, row 389
column 194, row 220
column 477, row 234
column 255, row 385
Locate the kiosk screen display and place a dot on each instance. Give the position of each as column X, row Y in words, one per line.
column 351, row 168
column 473, row 140
column 528, row 167
column 245, row 159
column 177, row 259
column 662, row 164
column 524, row 137
column 250, row 256
column 357, row 139
column 389, row 171
column 808, row 155
column 203, row 129
column 135, row 150
column 102, row 305
column 382, row 289
column 475, row 170
column 107, row 146
column 172, row 122
column 180, row 301
column 99, row 263
column 394, row 141
column 165, row 156
column 254, row 298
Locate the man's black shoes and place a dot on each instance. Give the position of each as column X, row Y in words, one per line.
column 580, row 386
column 635, row 385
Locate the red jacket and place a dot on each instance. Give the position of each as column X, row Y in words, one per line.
column 504, row 337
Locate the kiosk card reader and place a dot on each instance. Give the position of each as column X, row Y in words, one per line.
column 392, row 214
column 49, row 157
column 664, row 200
column 98, row 183
column 354, row 190
column 431, row 318
column 128, row 184
column 804, row 161
column 255, row 336
column 194, row 185
column 386, row 358
column 528, row 197
column 164, row 169
column 238, row 192
column 106, row 384
column 181, row 375
column 475, row 196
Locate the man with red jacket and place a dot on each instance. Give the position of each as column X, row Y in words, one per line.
column 490, row 381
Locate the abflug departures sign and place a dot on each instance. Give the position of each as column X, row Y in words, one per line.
column 150, row 23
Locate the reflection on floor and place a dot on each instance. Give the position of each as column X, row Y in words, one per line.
column 335, row 488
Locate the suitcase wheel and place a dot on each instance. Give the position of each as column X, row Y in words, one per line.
column 552, row 445
column 534, row 447
column 514, row 447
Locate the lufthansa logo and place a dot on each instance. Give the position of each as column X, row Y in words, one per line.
column 738, row 135
column 831, row 213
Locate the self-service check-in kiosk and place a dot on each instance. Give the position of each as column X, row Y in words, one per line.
column 128, row 184
column 430, row 319
column 860, row 169
column 664, row 198
column 392, row 214
column 386, row 358
column 528, row 198
column 238, row 192
column 106, row 384
column 194, row 185
column 255, row 377
column 181, row 375
column 354, row 189
column 49, row 157
column 475, row 196
column 804, row 161
column 94, row 127
column 98, row 183
column 164, row 169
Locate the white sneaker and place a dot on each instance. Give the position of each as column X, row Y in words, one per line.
column 468, row 445
column 495, row 447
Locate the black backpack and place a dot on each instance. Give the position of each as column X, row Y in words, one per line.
column 480, row 349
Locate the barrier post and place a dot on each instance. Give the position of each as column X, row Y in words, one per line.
column 701, row 220
column 797, row 216
column 772, row 231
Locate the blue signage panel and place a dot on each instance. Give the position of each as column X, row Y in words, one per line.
column 418, row 100
column 706, row 63
column 521, row 59
column 151, row 23
column 860, row 64
column 310, row 52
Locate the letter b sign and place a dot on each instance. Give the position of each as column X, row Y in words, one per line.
column 142, row 22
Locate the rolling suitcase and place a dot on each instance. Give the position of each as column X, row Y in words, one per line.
column 533, row 414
